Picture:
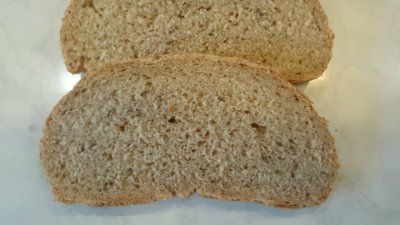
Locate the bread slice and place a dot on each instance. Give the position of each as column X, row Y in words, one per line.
column 292, row 37
column 150, row 129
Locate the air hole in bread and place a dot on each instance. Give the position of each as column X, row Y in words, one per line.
column 265, row 157
column 172, row 120
column 129, row 171
column 107, row 156
column 180, row 15
column 122, row 127
column 260, row 130
column 232, row 132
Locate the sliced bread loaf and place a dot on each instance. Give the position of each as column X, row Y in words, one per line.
column 151, row 129
column 291, row 37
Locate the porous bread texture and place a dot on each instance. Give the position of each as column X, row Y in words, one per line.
column 292, row 37
column 150, row 129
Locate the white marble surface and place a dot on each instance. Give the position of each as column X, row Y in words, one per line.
column 359, row 94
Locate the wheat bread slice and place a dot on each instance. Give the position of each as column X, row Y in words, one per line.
column 291, row 37
column 151, row 129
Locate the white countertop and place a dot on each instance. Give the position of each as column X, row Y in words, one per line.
column 359, row 94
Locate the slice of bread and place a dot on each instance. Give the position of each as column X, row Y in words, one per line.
column 291, row 37
column 151, row 129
